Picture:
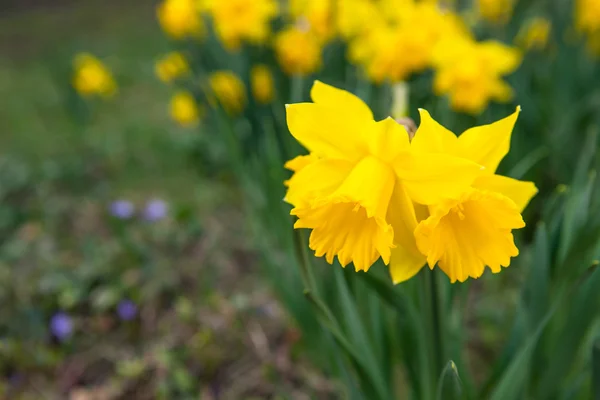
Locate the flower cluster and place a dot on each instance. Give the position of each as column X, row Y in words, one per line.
column 367, row 191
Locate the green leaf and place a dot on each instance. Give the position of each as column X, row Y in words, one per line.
column 581, row 313
column 596, row 370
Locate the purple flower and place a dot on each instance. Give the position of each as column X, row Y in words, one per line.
column 61, row 326
column 126, row 310
column 155, row 210
column 122, row 209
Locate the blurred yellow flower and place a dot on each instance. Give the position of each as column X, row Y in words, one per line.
column 183, row 109
column 534, row 34
column 317, row 15
column 298, row 51
column 171, row 67
column 395, row 51
column 587, row 16
column 495, row 11
column 470, row 73
column 261, row 80
column 236, row 21
column 465, row 234
column 352, row 14
column 229, row 91
column 180, row 18
column 356, row 189
column 91, row 77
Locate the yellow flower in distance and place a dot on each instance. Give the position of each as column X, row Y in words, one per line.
column 261, row 80
column 298, row 51
column 463, row 235
column 317, row 14
column 534, row 34
column 470, row 73
column 183, row 109
column 394, row 51
column 587, row 16
column 236, row 21
column 356, row 189
column 180, row 18
column 171, row 67
column 495, row 11
column 229, row 91
column 91, row 77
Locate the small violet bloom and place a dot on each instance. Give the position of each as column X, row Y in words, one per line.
column 122, row 209
column 155, row 210
column 61, row 326
column 127, row 310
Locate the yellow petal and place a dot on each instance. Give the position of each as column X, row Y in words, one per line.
column 521, row 192
column 316, row 180
column 405, row 260
column 429, row 178
column 500, row 57
column 332, row 97
column 299, row 162
column 350, row 223
column 488, row 144
column 328, row 132
column 432, row 137
column 388, row 140
column 464, row 236
column 405, row 264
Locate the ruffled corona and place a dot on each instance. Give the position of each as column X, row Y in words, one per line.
column 351, row 221
column 464, row 236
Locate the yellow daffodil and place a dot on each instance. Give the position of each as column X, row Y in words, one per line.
column 237, row 21
column 352, row 14
column 298, row 51
column 587, row 16
column 261, row 81
column 184, row 110
column 395, row 51
column 534, row 34
column 471, row 73
column 356, row 189
column 495, row 11
column 465, row 234
column 91, row 77
column 171, row 67
column 180, row 18
column 229, row 91
column 317, row 15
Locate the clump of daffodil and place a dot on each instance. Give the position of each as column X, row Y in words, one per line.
column 395, row 50
column 495, row 11
column 357, row 188
column 470, row 72
column 263, row 88
column 91, row 77
column 180, row 18
column 464, row 234
column 298, row 50
column 238, row 21
column 534, row 34
column 318, row 16
column 171, row 67
column 183, row 109
column 229, row 91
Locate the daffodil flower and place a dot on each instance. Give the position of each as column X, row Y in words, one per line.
column 357, row 193
column 464, row 235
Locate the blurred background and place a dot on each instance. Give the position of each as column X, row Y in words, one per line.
column 132, row 264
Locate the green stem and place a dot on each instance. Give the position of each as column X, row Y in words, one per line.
column 436, row 322
column 297, row 95
column 433, row 326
